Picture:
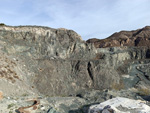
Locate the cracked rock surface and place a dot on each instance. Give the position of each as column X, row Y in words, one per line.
column 70, row 74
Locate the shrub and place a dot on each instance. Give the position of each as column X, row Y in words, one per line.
column 119, row 86
column 10, row 105
column 2, row 24
column 144, row 91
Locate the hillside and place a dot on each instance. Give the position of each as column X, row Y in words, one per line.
column 139, row 37
column 61, row 73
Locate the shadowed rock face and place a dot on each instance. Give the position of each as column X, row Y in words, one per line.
column 58, row 62
column 140, row 37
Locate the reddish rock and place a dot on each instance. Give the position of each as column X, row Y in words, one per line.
column 1, row 95
column 140, row 37
column 34, row 106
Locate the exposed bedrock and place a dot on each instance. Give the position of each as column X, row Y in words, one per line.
column 71, row 77
column 58, row 62
column 139, row 37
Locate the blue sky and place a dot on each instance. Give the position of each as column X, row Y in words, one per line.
column 89, row 18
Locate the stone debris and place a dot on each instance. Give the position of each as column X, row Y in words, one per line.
column 120, row 105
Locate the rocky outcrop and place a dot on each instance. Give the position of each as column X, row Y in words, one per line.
column 140, row 37
column 61, row 63
column 44, row 42
column 120, row 105
column 57, row 62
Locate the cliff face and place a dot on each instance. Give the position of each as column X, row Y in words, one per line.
column 58, row 62
column 54, row 61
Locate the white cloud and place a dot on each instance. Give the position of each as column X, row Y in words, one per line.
column 90, row 18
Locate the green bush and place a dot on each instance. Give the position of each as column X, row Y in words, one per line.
column 2, row 24
column 10, row 105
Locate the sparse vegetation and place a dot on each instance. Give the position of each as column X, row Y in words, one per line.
column 2, row 24
column 144, row 91
column 99, row 56
column 7, row 72
column 25, row 94
column 15, row 76
column 10, row 105
column 116, row 86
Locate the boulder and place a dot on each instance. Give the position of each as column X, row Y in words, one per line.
column 120, row 105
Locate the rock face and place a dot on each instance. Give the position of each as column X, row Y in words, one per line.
column 61, row 63
column 140, row 37
column 57, row 62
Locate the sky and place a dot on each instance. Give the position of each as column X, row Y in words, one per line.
column 89, row 18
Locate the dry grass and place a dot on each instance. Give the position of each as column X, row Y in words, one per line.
column 99, row 56
column 7, row 69
column 1, row 95
column 9, row 74
column 119, row 86
column 144, row 91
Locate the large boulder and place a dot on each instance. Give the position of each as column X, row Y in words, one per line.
column 120, row 105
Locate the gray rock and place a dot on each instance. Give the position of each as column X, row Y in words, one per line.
column 57, row 62
column 52, row 110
